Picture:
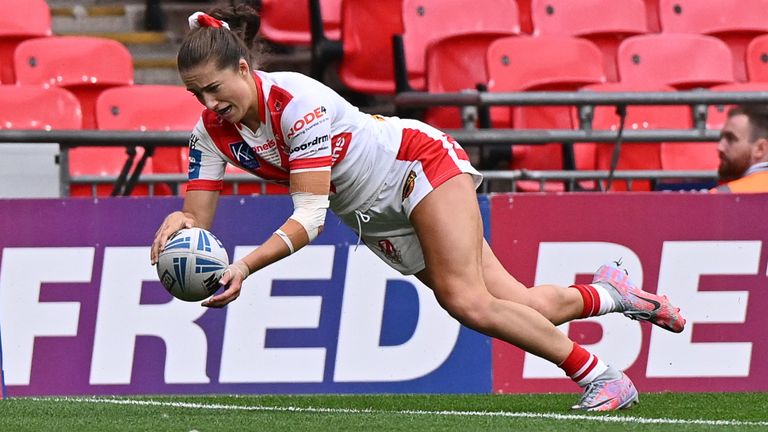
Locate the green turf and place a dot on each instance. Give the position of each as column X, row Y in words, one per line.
column 673, row 411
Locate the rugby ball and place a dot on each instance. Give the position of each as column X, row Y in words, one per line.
column 191, row 264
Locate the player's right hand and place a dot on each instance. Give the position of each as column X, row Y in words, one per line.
column 172, row 223
column 232, row 279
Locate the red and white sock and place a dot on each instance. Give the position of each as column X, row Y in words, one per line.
column 597, row 300
column 582, row 366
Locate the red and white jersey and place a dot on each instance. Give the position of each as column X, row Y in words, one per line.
column 305, row 126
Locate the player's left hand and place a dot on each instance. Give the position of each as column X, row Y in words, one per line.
column 172, row 223
column 232, row 278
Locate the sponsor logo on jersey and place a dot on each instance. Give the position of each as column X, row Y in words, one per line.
column 243, row 154
column 390, row 252
column 306, row 120
column 339, row 146
column 195, row 157
column 306, row 145
column 409, row 184
column 269, row 145
column 193, row 140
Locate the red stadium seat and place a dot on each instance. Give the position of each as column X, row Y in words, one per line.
column 648, row 156
column 736, row 22
column 38, row 107
column 151, row 108
column 147, row 107
column 683, row 61
column 426, row 21
column 604, row 22
column 367, row 65
column 544, row 63
column 717, row 114
column 453, row 64
column 101, row 161
column 757, row 59
column 287, row 21
column 20, row 20
column 83, row 65
column 50, row 107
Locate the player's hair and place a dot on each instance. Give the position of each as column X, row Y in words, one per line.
column 225, row 47
column 758, row 119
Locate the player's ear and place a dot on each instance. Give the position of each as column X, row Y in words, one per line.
column 243, row 67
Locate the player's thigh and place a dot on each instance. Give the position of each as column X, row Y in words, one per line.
column 450, row 230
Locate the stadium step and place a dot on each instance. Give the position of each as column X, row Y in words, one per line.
column 78, row 10
column 154, row 52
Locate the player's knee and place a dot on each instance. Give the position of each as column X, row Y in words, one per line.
column 472, row 310
column 539, row 304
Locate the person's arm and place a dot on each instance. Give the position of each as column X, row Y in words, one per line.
column 309, row 190
column 206, row 172
column 198, row 211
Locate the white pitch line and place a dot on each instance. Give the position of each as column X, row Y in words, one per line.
column 509, row 414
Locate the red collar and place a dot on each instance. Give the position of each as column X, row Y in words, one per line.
column 260, row 96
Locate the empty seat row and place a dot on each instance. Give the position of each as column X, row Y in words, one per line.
column 150, row 107
column 667, row 156
column 88, row 65
column 526, row 63
column 367, row 56
column 133, row 107
column 367, row 64
column 678, row 59
column 288, row 21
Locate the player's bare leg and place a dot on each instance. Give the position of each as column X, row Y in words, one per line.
column 449, row 228
column 558, row 304
column 610, row 291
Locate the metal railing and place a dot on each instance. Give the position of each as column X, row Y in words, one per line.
column 469, row 136
column 494, row 181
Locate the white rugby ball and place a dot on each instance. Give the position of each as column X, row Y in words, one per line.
column 191, row 264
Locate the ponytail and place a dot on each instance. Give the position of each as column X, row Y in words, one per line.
column 223, row 35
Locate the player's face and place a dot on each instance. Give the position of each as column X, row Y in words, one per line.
column 735, row 147
column 230, row 93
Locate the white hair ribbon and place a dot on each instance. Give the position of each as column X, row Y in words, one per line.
column 202, row 19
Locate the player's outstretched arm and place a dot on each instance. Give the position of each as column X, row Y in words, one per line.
column 198, row 211
column 309, row 191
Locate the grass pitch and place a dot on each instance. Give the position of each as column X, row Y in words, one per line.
column 656, row 412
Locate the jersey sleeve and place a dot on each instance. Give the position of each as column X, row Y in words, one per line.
column 306, row 126
column 206, row 164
